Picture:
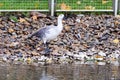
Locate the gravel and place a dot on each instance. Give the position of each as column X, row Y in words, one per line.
column 95, row 36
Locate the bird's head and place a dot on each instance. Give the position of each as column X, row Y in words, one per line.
column 61, row 16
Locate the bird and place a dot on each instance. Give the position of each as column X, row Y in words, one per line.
column 48, row 33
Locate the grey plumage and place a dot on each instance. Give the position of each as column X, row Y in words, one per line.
column 40, row 33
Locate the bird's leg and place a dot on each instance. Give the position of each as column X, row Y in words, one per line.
column 47, row 50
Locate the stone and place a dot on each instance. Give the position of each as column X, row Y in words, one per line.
column 67, row 28
column 14, row 44
column 10, row 30
column 116, row 41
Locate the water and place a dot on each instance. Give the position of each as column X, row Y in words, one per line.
column 60, row 72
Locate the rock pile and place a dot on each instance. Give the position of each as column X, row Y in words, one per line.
column 84, row 37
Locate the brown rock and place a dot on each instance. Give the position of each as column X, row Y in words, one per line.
column 13, row 44
column 10, row 30
column 34, row 53
column 67, row 28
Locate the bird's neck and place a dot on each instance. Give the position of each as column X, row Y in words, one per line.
column 60, row 25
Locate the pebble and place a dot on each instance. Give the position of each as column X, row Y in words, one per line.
column 81, row 56
column 41, row 58
column 101, row 53
column 77, row 20
column 100, row 63
column 67, row 28
column 14, row 44
column 10, row 30
column 99, row 58
column 116, row 41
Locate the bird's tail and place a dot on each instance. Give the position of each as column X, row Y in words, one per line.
column 31, row 35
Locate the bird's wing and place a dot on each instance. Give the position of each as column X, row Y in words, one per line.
column 39, row 33
column 42, row 31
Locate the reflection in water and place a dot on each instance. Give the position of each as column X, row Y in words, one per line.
column 46, row 76
column 60, row 72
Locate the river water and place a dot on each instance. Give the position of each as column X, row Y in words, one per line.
column 64, row 71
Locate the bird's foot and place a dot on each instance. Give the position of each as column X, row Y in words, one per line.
column 47, row 52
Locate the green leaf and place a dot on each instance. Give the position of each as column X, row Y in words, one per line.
column 13, row 18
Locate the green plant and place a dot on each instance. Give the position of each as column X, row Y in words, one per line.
column 13, row 18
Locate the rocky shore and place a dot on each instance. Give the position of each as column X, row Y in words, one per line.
column 84, row 38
